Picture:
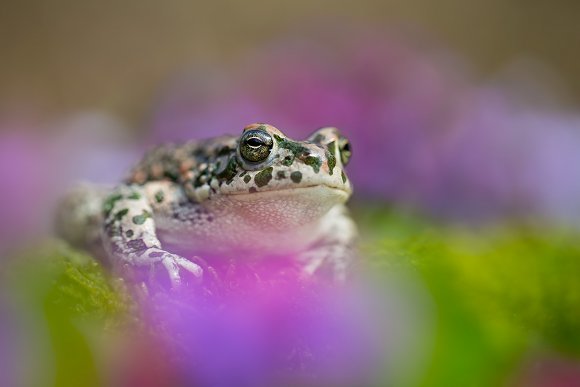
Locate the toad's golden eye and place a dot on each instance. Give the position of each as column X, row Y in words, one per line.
column 345, row 150
column 255, row 145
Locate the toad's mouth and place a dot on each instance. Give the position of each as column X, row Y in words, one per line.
column 314, row 191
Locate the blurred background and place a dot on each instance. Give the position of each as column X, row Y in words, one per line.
column 465, row 124
column 70, row 55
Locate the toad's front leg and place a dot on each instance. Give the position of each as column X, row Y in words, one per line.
column 333, row 254
column 130, row 238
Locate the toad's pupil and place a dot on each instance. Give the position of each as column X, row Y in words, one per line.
column 346, row 147
column 254, row 142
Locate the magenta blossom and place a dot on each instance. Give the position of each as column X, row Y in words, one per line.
column 263, row 325
column 548, row 370
column 7, row 351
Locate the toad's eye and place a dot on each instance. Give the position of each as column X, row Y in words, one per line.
column 345, row 150
column 255, row 145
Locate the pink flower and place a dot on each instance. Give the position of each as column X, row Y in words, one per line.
column 263, row 325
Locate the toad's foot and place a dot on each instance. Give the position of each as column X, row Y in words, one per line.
column 331, row 262
column 162, row 268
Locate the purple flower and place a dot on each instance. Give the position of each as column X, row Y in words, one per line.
column 25, row 172
column 502, row 158
column 387, row 97
column 36, row 169
column 24, row 351
column 422, row 133
column 95, row 147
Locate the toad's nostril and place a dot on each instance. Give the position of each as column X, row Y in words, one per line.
column 312, row 159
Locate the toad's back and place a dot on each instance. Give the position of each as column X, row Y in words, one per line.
column 176, row 162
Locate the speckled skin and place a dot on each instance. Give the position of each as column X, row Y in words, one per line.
column 204, row 197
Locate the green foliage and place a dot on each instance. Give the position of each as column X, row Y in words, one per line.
column 78, row 304
column 500, row 291
column 68, row 280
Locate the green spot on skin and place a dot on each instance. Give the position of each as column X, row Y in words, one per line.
column 332, row 147
column 110, row 203
column 280, row 175
column 247, row 179
column 314, row 162
column 296, row 177
column 331, row 158
column 159, row 196
column 343, row 177
column 140, row 219
column 129, row 233
column 119, row 215
column 262, row 178
column 288, row 160
column 294, row 147
column 230, row 171
column 134, row 196
column 171, row 175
